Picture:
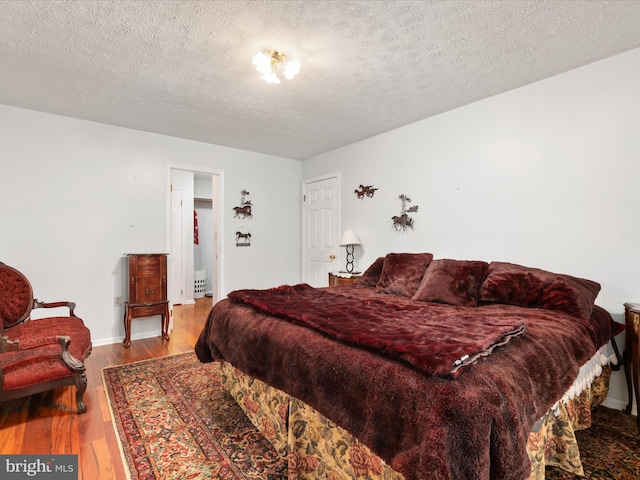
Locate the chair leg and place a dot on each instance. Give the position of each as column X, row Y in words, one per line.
column 81, row 387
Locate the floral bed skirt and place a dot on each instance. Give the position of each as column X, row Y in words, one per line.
column 318, row 448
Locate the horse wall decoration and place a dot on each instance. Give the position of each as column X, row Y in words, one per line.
column 365, row 191
column 403, row 221
column 244, row 210
column 243, row 239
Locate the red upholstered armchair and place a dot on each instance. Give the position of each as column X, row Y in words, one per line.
column 38, row 355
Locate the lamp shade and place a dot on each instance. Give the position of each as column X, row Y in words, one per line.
column 349, row 237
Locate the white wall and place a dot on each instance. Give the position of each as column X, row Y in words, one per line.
column 75, row 196
column 545, row 175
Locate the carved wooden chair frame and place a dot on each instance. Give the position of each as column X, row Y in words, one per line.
column 15, row 316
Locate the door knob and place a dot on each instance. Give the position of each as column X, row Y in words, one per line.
column 332, row 257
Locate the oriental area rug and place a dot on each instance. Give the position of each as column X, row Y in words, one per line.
column 609, row 449
column 175, row 420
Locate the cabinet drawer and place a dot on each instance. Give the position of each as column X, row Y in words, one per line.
column 148, row 310
column 147, row 266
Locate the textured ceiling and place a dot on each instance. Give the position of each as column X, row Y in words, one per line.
column 183, row 68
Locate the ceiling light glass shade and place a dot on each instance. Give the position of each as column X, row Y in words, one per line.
column 268, row 62
column 291, row 69
column 349, row 237
column 262, row 62
column 270, row 77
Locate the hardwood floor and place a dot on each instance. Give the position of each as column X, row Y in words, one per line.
column 47, row 423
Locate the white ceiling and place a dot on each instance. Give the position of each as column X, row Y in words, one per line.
column 183, row 68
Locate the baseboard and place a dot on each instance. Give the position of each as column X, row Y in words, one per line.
column 618, row 405
column 110, row 341
column 106, row 341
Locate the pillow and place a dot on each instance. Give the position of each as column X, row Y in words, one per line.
column 372, row 274
column 402, row 273
column 531, row 287
column 455, row 282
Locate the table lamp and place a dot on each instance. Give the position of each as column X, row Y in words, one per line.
column 349, row 239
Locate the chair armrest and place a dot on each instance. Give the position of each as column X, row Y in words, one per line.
column 70, row 361
column 71, row 305
column 7, row 345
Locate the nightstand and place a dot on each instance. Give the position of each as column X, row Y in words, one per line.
column 632, row 354
column 343, row 278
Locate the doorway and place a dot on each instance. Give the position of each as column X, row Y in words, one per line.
column 194, row 234
column 320, row 224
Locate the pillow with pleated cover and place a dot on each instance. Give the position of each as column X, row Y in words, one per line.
column 403, row 272
column 371, row 275
column 454, row 282
column 532, row 287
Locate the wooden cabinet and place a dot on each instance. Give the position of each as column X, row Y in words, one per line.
column 342, row 278
column 632, row 355
column 147, row 279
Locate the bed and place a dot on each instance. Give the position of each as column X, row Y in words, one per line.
column 425, row 369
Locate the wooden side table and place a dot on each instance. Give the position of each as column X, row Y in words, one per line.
column 631, row 355
column 342, row 278
column 147, row 291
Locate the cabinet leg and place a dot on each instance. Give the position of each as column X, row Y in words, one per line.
column 165, row 324
column 165, row 328
column 627, row 373
column 636, row 386
column 127, row 327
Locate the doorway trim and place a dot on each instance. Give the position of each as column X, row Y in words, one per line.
column 218, row 207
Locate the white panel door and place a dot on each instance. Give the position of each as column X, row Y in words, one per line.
column 320, row 235
column 176, row 270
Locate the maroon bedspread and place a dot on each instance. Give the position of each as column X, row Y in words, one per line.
column 425, row 426
column 419, row 338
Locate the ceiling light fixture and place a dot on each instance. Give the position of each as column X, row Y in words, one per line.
column 268, row 62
